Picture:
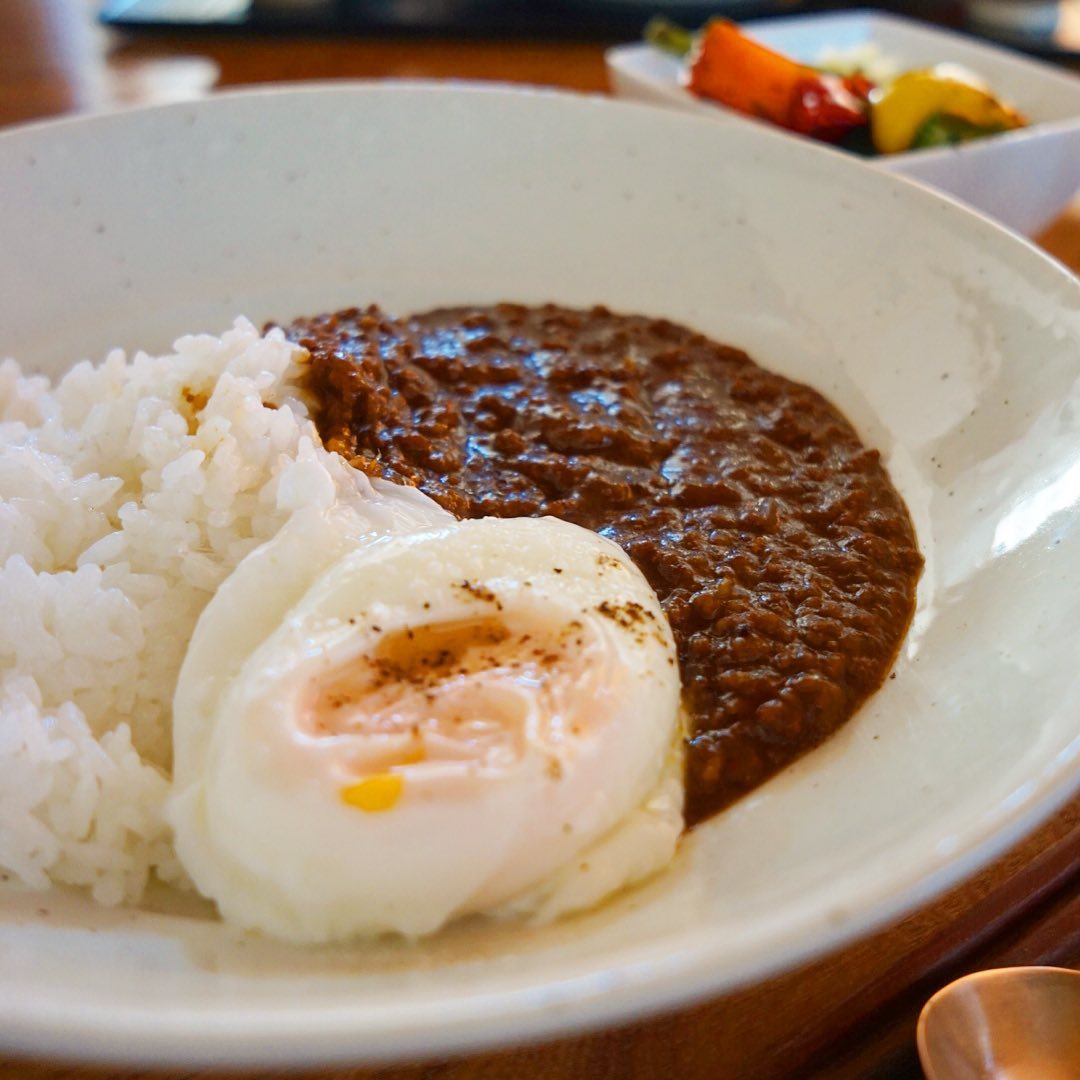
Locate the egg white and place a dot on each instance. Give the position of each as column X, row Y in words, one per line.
column 532, row 773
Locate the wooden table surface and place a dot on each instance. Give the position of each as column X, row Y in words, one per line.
column 848, row 1015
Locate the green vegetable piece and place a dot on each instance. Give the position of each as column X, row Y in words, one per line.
column 669, row 36
column 858, row 141
column 941, row 129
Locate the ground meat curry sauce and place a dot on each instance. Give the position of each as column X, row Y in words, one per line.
column 782, row 555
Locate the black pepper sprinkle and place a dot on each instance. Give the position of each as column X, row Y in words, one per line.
column 626, row 615
column 480, row 592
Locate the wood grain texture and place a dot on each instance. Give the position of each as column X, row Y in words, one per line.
column 847, row 1015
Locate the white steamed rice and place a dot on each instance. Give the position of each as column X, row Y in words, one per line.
column 124, row 502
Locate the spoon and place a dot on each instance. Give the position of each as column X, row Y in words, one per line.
column 1019, row 1023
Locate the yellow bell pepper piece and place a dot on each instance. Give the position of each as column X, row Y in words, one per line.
column 911, row 99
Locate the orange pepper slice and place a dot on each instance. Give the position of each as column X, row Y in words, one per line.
column 742, row 74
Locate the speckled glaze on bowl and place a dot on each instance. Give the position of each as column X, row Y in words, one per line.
column 952, row 345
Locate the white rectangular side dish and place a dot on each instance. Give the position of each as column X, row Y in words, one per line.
column 1023, row 178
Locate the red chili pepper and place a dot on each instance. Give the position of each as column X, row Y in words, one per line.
column 859, row 85
column 826, row 107
column 743, row 74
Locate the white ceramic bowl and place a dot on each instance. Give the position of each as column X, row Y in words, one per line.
column 952, row 345
column 1023, row 178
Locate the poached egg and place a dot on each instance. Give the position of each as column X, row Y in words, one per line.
column 381, row 731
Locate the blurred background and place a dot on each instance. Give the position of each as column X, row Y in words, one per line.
column 63, row 55
column 1035, row 24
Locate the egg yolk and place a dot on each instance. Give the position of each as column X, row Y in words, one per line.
column 453, row 694
column 374, row 794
